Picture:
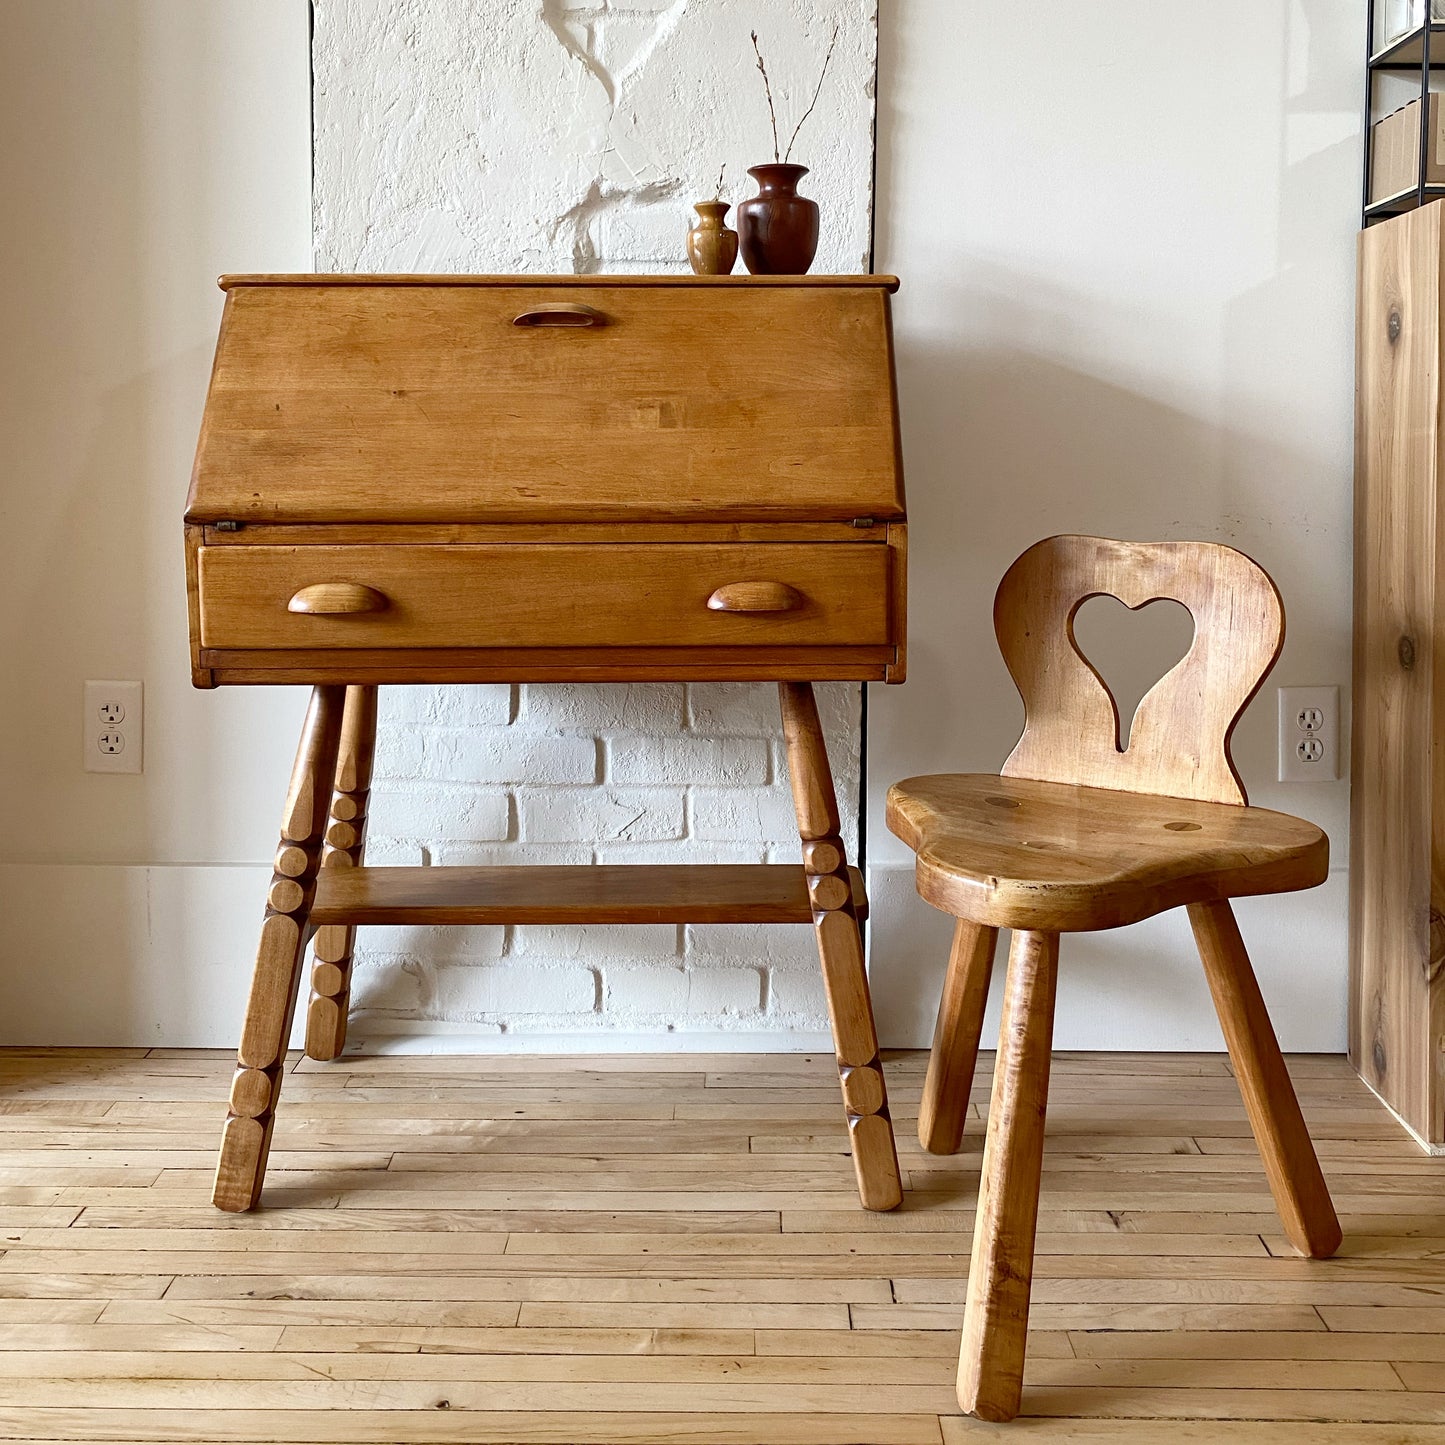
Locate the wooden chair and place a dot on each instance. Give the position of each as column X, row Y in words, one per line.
column 1078, row 833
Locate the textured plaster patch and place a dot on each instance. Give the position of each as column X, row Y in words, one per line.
column 555, row 136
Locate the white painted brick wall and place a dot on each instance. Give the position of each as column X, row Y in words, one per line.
column 559, row 136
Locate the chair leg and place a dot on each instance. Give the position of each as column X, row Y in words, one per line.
column 955, row 1038
column 261, row 1059
column 345, row 842
column 840, row 950
column 1300, row 1193
column 996, row 1315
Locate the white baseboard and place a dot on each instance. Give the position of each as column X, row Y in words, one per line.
column 445, row 1038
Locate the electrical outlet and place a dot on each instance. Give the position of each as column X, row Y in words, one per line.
column 113, row 734
column 1309, row 734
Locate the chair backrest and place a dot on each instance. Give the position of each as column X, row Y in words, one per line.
column 1179, row 742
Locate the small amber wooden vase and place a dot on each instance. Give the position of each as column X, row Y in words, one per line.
column 712, row 247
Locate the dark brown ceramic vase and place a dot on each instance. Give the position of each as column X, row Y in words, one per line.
column 778, row 228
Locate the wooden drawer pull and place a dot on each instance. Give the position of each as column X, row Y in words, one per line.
column 755, row 597
column 560, row 313
column 336, row 599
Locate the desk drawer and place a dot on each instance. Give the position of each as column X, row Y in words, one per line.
column 556, row 596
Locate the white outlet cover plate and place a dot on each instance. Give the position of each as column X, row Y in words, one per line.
column 99, row 718
column 1299, row 735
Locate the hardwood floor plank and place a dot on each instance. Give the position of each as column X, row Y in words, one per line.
column 1200, row 1345
column 1404, row 1407
column 84, row 1339
column 960, row 1431
column 460, row 1396
column 450, row 1340
column 799, row 1245
column 271, row 1219
column 877, row 1344
column 446, row 1285
column 1426, row 1318
column 363, row 1426
column 1093, row 1315
column 571, row 1366
column 1420, row 1375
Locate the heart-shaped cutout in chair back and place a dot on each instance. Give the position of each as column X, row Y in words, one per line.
column 1131, row 648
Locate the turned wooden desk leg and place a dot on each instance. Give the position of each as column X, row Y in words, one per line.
column 840, row 948
column 261, row 1059
column 954, row 1055
column 1295, row 1180
column 345, row 842
column 1000, row 1273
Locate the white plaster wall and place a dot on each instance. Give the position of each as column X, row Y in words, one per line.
column 148, row 146
column 561, row 137
column 1127, row 249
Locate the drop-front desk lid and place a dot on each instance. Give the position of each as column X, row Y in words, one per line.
column 568, row 399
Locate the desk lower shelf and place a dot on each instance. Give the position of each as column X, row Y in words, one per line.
column 597, row 893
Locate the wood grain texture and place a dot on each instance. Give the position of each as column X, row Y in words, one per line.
column 539, row 595
column 954, row 1055
column 1016, row 853
column 558, row 894
column 338, row 534
column 1295, row 1179
column 327, row 1318
column 1000, row 1273
column 376, row 666
column 1397, row 810
column 246, row 1135
column 419, row 401
column 755, row 597
column 1179, row 741
column 234, row 281
column 840, row 949
column 334, row 944
column 330, row 599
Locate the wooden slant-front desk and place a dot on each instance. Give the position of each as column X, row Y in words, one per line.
column 422, row 479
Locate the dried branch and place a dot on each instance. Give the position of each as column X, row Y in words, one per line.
column 717, row 193
column 768, row 91
column 816, row 93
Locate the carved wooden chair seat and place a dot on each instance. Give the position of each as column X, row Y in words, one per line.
column 1078, row 833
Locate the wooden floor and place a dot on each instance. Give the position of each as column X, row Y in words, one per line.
column 669, row 1249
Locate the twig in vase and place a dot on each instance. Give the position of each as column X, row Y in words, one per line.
column 717, row 193
column 768, row 91
column 818, row 90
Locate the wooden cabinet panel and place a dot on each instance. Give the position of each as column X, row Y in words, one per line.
column 528, row 596
column 1397, row 845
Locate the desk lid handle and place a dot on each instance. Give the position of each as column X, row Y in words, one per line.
column 336, row 599
column 755, row 597
column 559, row 313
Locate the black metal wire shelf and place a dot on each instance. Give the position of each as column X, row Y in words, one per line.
column 1419, row 51
column 1403, row 201
column 1407, row 51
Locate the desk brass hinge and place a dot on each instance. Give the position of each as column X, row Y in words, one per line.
column 863, row 522
column 229, row 526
